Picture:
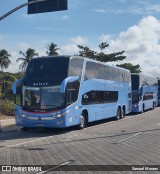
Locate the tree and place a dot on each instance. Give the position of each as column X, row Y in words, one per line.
column 132, row 68
column 101, row 56
column 4, row 64
column 112, row 57
column 52, row 49
column 27, row 56
column 4, row 59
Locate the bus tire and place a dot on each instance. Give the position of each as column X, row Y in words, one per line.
column 118, row 116
column 142, row 109
column 153, row 107
column 82, row 122
column 24, row 129
column 123, row 112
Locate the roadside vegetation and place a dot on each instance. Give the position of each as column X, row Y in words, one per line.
column 7, row 79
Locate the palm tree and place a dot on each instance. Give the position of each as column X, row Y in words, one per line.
column 27, row 56
column 4, row 59
column 52, row 49
column 4, row 64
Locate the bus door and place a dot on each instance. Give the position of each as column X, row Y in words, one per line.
column 72, row 91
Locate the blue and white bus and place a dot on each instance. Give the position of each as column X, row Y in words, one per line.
column 64, row 91
column 144, row 92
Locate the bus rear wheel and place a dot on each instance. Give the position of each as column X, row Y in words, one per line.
column 118, row 116
column 122, row 113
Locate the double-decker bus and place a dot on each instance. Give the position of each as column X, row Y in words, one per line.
column 144, row 92
column 64, row 91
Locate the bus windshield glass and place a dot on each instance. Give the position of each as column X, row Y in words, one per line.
column 42, row 98
column 135, row 82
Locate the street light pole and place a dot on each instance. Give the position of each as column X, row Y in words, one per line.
column 21, row 6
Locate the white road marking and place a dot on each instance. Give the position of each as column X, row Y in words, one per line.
column 158, row 124
column 128, row 138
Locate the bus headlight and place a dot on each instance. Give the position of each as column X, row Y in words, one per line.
column 61, row 114
column 24, row 116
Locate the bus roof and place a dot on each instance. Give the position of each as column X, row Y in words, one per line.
column 142, row 75
column 80, row 57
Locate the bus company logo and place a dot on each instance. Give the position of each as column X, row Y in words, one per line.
column 40, row 111
column 40, row 84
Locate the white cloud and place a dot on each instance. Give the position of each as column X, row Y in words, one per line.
column 65, row 17
column 100, row 11
column 138, row 7
column 44, row 28
column 105, row 38
column 71, row 48
column 23, row 46
column 14, row 66
column 141, row 44
column 144, row 8
column 79, row 40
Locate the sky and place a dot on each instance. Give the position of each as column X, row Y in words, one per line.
column 129, row 25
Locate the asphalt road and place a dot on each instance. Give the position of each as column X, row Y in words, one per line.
column 134, row 140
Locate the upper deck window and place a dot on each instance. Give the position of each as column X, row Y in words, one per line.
column 53, row 70
column 100, row 71
column 75, row 67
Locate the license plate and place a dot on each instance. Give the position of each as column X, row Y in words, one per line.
column 40, row 125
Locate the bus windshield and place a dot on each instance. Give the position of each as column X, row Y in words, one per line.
column 42, row 98
column 135, row 82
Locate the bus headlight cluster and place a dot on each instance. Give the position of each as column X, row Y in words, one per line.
column 61, row 114
column 24, row 116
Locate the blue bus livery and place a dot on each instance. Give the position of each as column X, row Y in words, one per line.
column 144, row 92
column 63, row 91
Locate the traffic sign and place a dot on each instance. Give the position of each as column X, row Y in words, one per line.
column 47, row 6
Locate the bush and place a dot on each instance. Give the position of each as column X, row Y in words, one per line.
column 7, row 107
column 8, row 95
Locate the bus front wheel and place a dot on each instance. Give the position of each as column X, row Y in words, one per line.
column 153, row 107
column 143, row 108
column 24, row 129
column 82, row 122
column 122, row 113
